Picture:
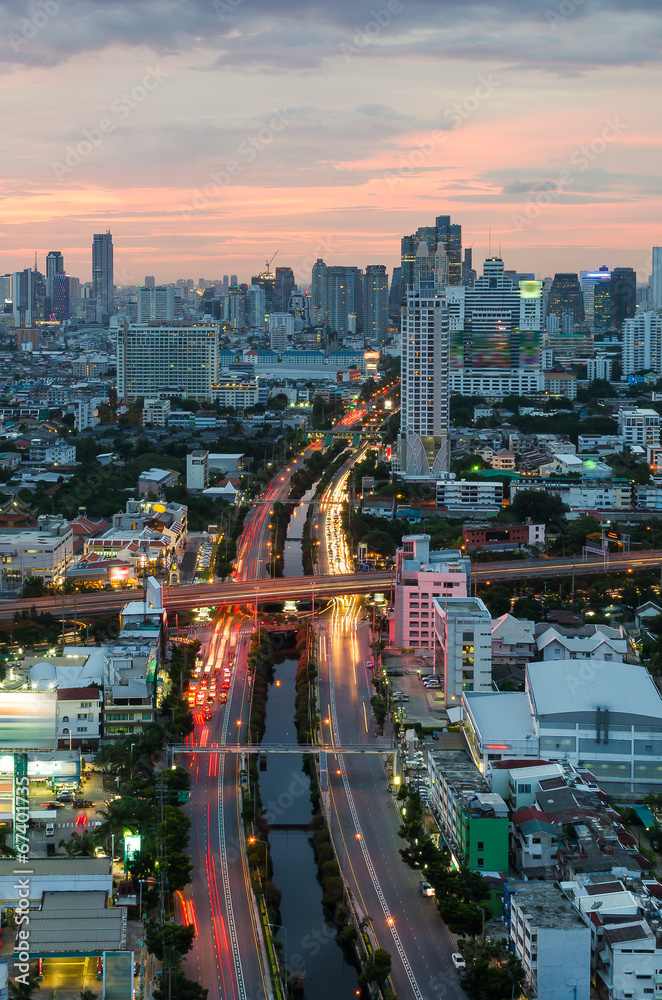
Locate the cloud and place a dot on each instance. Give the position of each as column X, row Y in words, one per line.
column 290, row 35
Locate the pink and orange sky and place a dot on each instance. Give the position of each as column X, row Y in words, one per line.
column 207, row 134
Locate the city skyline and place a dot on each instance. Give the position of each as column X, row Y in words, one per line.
column 200, row 146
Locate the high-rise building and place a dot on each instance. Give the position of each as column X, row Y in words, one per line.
column 267, row 281
column 395, row 295
column 102, row 275
column 423, row 447
column 319, row 291
column 468, row 273
column 642, row 343
column 236, row 306
column 28, row 295
column 169, row 359
column 375, row 304
column 623, row 295
column 281, row 326
column 589, row 281
column 345, row 299
column 499, row 323
column 602, row 305
column 226, row 284
column 233, row 279
column 54, row 265
column 150, row 281
column 444, row 235
column 656, row 279
column 60, row 299
column 157, row 304
column 283, row 289
column 256, row 308
column 566, row 293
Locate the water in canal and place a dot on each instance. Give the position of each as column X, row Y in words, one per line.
column 309, row 941
column 292, row 564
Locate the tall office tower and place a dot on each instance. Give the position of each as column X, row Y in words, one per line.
column 171, row 359
column 468, row 273
column 345, row 299
column 54, row 265
column 285, row 285
column 233, row 280
column 642, row 343
column 375, row 304
column 623, row 295
column 28, row 295
column 102, row 275
column 60, row 300
column 281, row 326
column 226, row 284
column 423, row 446
column 150, row 281
column 501, row 324
column 566, row 293
column 442, row 235
column 589, row 280
column 156, row 305
column 236, row 306
column 319, row 292
column 300, row 309
column 395, row 295
column 267, row 281
column 656, row 279
column 567, row 323
column 5, row 289
column 256, row 308
column 602, row 305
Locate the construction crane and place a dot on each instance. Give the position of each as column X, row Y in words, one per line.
column 269, row 262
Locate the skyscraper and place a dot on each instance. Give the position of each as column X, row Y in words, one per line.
column 395, row 294
column 284, row 287
column 102, row 275
column 444, row 235
column 150, row 281
column 642, row 343
column 656, row 279
column 54, row 265
column 375, row 304
column 623, row 295
column 423, row 447
column 345, row 299
column 589, row 281
column 566, row 293
column 319, row 292
column 60, row 300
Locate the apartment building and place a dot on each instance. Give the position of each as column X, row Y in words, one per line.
column 420, row 577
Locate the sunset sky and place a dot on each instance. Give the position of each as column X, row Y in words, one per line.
column 207, row 134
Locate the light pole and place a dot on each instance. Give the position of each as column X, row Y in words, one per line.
column 256, row 593
column 284, row 929
column 256, row 840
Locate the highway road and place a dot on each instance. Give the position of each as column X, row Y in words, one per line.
column 206, row 595
column 364, row 822
column 226, row 957
column 334, row 556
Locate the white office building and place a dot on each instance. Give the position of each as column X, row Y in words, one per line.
column 156, row 412
column 174, row 359
column 45, row 551
column 463, row 647
column 639, row 426
column 463, row 494
column 420, row 577
column 156, row 305
column 642, row 343
column 281, row 326
column 197, row 470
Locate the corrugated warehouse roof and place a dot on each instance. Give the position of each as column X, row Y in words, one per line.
column 570, row 687
column 76, row 922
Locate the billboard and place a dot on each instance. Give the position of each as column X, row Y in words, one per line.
column 27, row 720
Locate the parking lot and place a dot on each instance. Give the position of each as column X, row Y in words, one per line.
column 413, row 700
column 68, row 818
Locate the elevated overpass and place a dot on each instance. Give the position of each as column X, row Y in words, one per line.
column 308, row 587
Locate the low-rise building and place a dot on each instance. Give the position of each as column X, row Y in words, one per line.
column 502, row 537
column 156, row 412
column 79, row 717
column 52, row 451
column 639, row 426
column 462, row 494
column 535, row 841
column 605, row 643
column 197, row 470
column 46, row 551
column 550, row 939
column 156, row 481
column 513, row 645
column 474, row 819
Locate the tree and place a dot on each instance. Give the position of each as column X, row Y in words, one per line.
column 22, row 991
column 169, row 942
column 182, row 988
column 34, row 586
column 377, row 969
column 542, row 507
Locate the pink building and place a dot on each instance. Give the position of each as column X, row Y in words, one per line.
column 420, row 576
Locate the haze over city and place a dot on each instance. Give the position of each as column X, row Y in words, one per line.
column 208, row 135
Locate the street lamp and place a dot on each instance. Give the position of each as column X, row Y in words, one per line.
column 256, row 840
column 284, row 929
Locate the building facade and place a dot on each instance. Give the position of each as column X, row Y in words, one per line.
column 177, row 359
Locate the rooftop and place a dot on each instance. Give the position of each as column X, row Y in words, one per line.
column 563, row 688
column 544, row 905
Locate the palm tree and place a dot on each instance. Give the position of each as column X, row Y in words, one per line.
column 87, row 995
column 22, row 991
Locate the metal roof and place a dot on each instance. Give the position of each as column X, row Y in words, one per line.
column 569, row 687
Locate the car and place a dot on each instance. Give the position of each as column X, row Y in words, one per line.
column 100, row 852
column 426, row 889
column 224, row 697
column 83, row 804
column 458, row 961
column 81, row 819
column 65, row 797
column 50, row 829
column 52, row 805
